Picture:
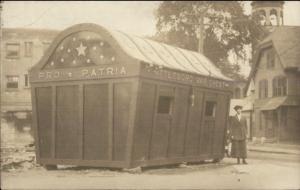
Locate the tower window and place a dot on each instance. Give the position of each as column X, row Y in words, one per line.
column 273, row 17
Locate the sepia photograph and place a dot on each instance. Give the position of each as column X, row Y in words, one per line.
column 150, row 95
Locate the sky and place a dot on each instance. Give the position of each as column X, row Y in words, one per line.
column 133, row 17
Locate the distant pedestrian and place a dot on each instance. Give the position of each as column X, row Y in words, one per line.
column 238, row 133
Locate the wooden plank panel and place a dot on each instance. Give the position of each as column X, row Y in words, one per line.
column 122, row 98
column 96, row 122
column 179, row 122
column 67, row 144
column 44, row 111
column 160, row 137
column 206, row 138
column 194, row 124
column 160, row 133
column 145, row 121
column 220, row 125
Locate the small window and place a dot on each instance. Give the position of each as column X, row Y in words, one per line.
column 26, row 80
column 165, row 104
column 28, row 49
column 210, row 109
column 12, row 50
column 12, row 82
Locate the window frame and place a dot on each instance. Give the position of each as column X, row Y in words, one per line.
column 279, row 86
column 28, row 49
column 10, row 82
column 263, row 89
column 26, row 80
column 7, row 50
column 214, row 109
column 170, row 107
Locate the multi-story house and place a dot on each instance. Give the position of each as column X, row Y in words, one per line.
column 20, row 49
column 275, row 84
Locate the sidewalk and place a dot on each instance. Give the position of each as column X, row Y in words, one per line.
column 279, row 148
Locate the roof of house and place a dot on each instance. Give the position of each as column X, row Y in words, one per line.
column 286, row 43
column 150, row 51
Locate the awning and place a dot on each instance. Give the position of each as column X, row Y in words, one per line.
column 275, row 103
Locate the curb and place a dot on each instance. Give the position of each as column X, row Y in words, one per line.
column 273, row 151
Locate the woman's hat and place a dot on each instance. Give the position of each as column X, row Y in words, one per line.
column 238, row 107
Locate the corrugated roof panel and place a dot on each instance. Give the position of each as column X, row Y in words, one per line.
column 209, row 65
column 127, row 44
column 180, row 58
column 195, row 62
column 147, row 50
column 168, row 56
column 165, row 55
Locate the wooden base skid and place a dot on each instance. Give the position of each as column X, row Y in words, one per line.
column 92, row 163
column 123, row 164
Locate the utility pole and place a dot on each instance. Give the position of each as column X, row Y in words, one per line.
column 1, row 41
column 201, row 35
column 200, row 31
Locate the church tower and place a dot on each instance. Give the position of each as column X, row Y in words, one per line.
column 270, row 13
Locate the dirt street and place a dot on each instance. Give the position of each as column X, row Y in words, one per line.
column 259, row 174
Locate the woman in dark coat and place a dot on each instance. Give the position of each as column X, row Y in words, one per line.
column 238, row 133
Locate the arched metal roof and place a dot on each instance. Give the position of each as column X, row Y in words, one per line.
column 142, row 49
column 167, row 56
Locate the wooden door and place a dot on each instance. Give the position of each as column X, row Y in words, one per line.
column 209, row 118
column 194, row 124
column 163, row 119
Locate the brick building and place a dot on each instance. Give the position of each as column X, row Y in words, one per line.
column 20, row 49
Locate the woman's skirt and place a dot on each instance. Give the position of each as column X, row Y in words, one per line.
column 239, row 149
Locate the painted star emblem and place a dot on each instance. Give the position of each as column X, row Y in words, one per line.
column 81, row 49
